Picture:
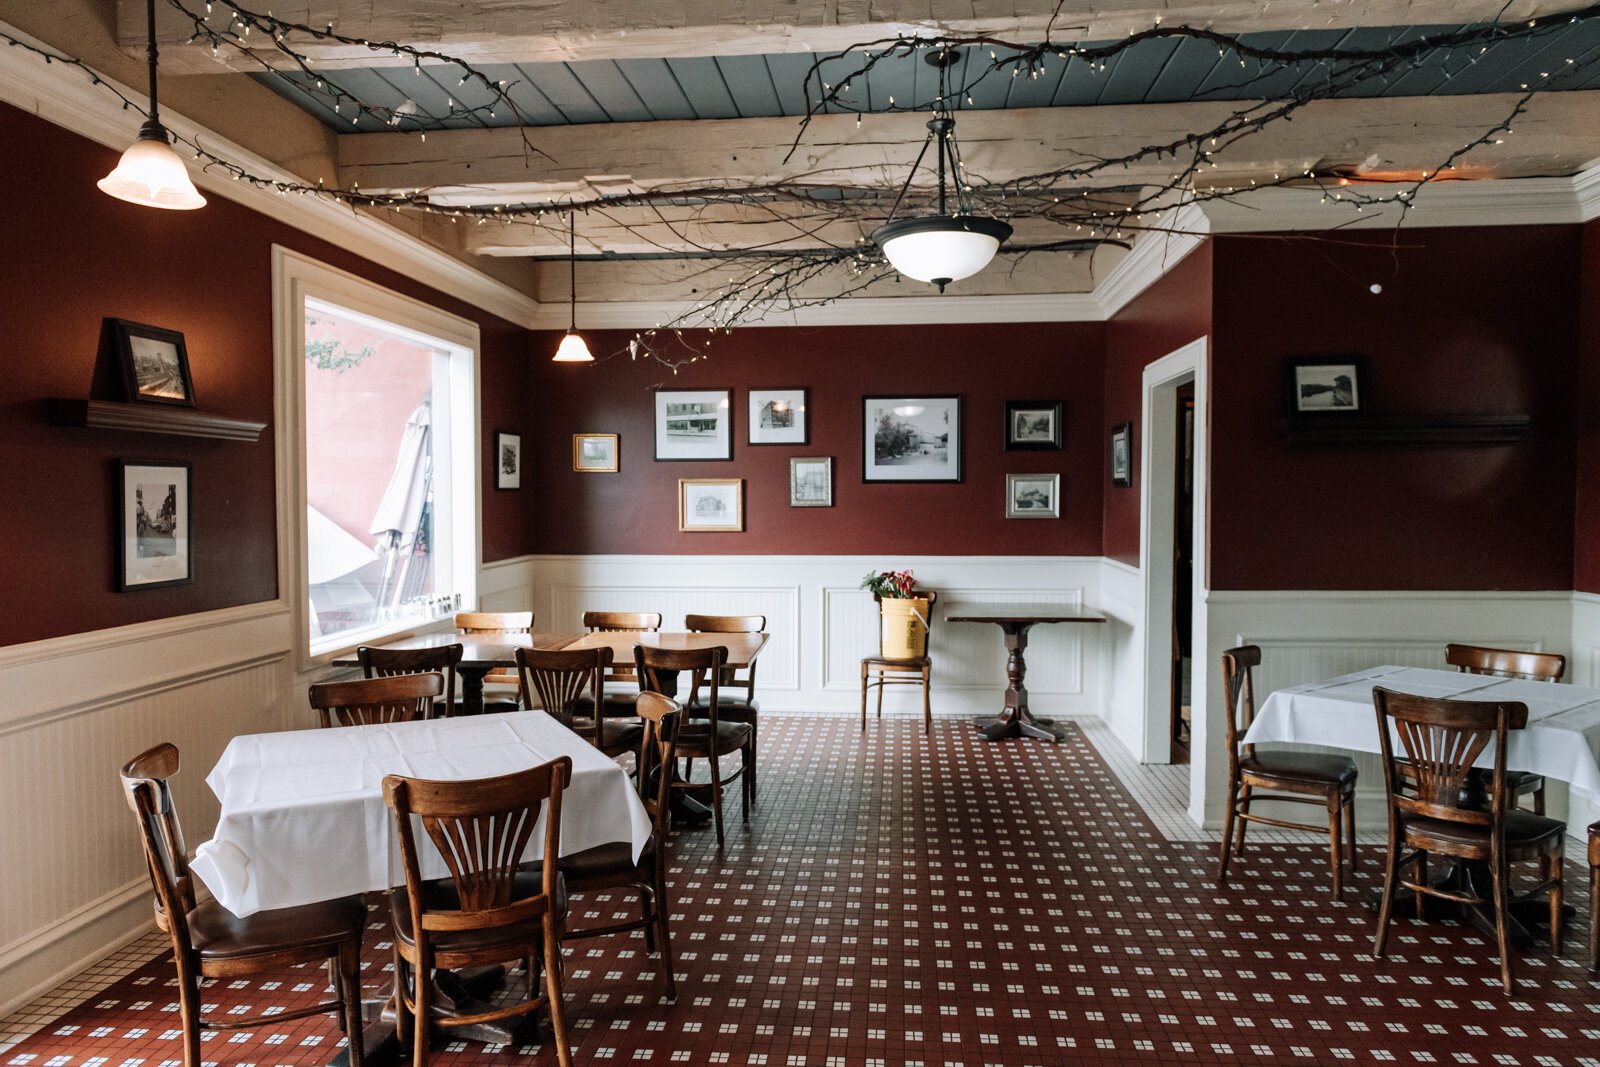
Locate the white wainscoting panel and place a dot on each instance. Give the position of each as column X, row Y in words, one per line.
column 1122, row 651
column 822, row 622
column 76, row 886
column 507, row 585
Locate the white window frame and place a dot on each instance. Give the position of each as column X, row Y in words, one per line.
column 458, row 505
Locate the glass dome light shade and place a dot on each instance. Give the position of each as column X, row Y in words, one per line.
column 941, row 248
column 572, row 350
column 150, row 174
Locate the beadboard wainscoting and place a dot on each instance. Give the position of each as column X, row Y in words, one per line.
column 1310, row 635
column 822, row 622
column 1122, row 602
column 1583, row 668
column 77, row 708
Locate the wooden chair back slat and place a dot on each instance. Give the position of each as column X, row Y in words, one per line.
column 730, row 624
column 387, row 662
column 556, row 680
column 1441, row 740
column 496, row 622
column 1506, row 662
column 621, row 622
column 145, row 783
column 704, row 667
column 369, row 701
column 662, row 717
column 1239, row 697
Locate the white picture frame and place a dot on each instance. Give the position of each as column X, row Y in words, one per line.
column 693, row 424
column 779, row 417
column 1033, row 496
column 811, row 482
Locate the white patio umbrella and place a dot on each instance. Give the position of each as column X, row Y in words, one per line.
column 333, row 552
column 398, row 522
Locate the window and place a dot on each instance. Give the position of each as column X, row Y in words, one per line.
column 384, row 414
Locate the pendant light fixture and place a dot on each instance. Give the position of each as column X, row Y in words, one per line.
column 572, row 348
column 150, row 173
column 941, row 248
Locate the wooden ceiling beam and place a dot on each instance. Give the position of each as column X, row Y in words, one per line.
column 534, row 31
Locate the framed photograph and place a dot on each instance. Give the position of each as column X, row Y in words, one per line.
column 1122, row 455
column 594, row 453
column 153, row 506
column 693, row 424
column 707, row 505
column 508, row 461
column 1033, row 425
column 155, row 363
column 1033, row 496
column 811, row 482
column 1325, row 387
column 778, row 417
column 911, row 438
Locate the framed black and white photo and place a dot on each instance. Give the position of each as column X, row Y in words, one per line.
column 508, row 461
column 1033, row 425
column 153, row 506
column 911, row 438
column 155, row 363
column 594, row 453
column 1325, row 387
column 693, row 424
column 1033, row 496
column 1122, row 455
column 778, row 417
column 811, row 482
column 710, row 505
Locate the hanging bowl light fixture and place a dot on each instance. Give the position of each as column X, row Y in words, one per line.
column 572, row 348
column 150, row 173
column 945, row 247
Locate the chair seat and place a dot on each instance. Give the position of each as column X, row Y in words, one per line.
column 1524, row 830
column 1305, row 767
column 914, row 663
column 727, row 702
column 441, row 893
column 694, row 739
column 618, row 700
column 621, row 735
column 612, row 859
column 218, row 934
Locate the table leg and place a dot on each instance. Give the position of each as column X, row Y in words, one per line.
column 1015, row 720
column 1462, row 877
column 454, row 992
column 471, row 679
column 686, row 810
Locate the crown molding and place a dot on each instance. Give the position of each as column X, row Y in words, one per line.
column 1497, row 202
column 1175, row 235
column 64, row 95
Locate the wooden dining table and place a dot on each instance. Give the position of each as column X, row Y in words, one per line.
column 482, row 653
column 1015, row 720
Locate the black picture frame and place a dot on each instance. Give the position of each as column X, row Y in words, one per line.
column 1317, row 387
column 154, row 363
column 1122, row 455
column 507, row 460
column 793, row 403
column 1023, row 432
column 694, row 442
column 155, row 549
column 933, row 410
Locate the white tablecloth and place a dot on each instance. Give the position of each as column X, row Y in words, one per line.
column 303, row 817
column 1562, row 739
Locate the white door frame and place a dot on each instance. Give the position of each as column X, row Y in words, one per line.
column 1157, row 482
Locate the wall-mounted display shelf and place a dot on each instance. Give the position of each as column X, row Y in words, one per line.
column 150, row 418
column 1407, row 430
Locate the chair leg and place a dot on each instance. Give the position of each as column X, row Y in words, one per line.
column 863, row 698
column 882, row 681
column 1594, row 918
column 350, row 1000
column 1349, row 804
column 927, row 701
column 420, row 1009
column 1244, row 809
column 1557, row 895
column 1502, row 926
column 1538, row 800
column 1421, row 878
column 1335, row 844
column 715, row 766
column 664, row 935
column 1391, row 876
column 552, row 987
column 746, row 761
column 189, row 1013
column 397, row 1000
column 752, row 771
column 646, row 916
column 1229, row 814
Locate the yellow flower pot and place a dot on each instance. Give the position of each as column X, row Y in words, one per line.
column 905, row 627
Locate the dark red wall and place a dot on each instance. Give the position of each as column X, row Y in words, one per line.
column 1469, row 321
column 636, row 510
column 1165, row 317
column 76, row 256
column 1586, row 533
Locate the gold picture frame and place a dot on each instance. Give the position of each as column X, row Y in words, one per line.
column 710, row 505
column 596, row 453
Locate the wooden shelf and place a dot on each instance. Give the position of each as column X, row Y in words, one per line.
column 150, row 418
column 1460, row 430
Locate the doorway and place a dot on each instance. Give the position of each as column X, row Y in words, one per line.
column 1182, row 575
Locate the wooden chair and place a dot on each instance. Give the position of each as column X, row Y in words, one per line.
column 1441, row 739
column 388, row 662
column 707, row 737
column 1286, row 777
column 208, row 941
column 1594, row 896
column 365, row 701
column 881, row 670
column 493, row 907
column 737, row 689
column 621, row 683
column 500, row 689
column 612, row 866
column 558, row 681
column 1509, row 663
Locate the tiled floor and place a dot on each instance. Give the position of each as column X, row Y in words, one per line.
column 902, row 900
